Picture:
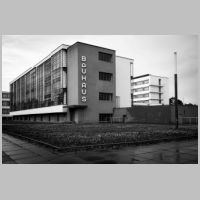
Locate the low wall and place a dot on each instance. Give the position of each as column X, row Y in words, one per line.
column 157, row 114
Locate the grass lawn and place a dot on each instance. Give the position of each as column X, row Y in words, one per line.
column 66, row 135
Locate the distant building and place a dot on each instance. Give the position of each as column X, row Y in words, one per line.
column 150, row 90
column 5, row 105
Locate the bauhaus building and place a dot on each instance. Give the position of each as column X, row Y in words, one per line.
column 80, row 83
column 73, row 83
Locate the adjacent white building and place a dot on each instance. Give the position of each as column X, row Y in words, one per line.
column 149, row 89
column 123, row 81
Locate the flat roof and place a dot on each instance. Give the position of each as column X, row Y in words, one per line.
column 144, row 75
column 92, row 45
column 141, row 76
column 125, row 58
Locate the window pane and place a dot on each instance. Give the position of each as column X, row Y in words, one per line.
column 105, row 57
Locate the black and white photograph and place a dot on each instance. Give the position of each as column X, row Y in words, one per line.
column 99, row 99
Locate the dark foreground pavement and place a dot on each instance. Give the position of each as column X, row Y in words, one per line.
column 15, row 150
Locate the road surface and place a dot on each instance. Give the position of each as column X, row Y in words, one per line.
column 17, row 151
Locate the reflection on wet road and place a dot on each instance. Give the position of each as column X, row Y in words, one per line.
column 175, row 152
column 16, row 150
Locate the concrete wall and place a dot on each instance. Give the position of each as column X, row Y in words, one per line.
column 186, row 114
column 149, row 114
column 94, row 85
column 72, row 75
column 157, row 114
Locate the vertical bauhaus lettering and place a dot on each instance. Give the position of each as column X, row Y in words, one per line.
column 83, row 79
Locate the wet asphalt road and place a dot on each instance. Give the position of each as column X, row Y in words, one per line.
column 176, row 152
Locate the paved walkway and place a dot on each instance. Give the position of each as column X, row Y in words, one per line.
column 22, row 152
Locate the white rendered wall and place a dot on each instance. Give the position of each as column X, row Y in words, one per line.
column 44, row 110
column 123, row 86
column 164, row 89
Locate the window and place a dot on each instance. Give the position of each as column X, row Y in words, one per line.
column 105, row 76
column 40, row 85
column 105, row 57
column 146, row 101
column 141, row 96
column 105, row 117
column 140, row 82
column 5, row 103
column 5, row 96
column 5, row 111
column 141, row 89
column 105, row 96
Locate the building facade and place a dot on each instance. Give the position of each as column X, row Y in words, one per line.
column 5, row 105
column 74, row 83
column 124, row 66
column 150, row 90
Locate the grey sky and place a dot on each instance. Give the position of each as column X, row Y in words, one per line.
column 152, row 54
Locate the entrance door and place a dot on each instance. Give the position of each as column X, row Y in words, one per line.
column 72, row 115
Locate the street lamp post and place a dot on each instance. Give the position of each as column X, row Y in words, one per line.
column 176, row 89
column 131, row 76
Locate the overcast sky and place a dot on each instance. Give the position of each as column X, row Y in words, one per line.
column 153, row 54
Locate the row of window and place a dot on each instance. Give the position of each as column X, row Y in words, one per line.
column 141, row 89
column 140, row 82
column 39, row 118
column 103, row 117
column 140, row 96
column 145, row 101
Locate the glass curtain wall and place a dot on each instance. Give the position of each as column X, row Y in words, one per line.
column 57, row 91
column 40, row 87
